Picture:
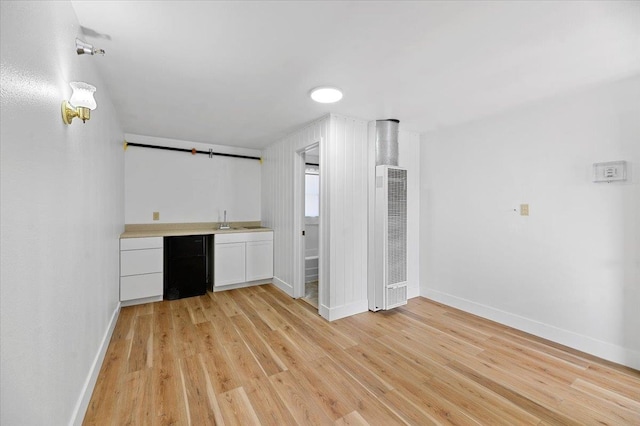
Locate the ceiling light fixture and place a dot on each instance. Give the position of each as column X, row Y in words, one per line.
column 326, row 95
column 80, row 104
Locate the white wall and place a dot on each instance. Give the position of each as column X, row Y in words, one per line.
column 570, row 271
column 409, row 158
column 61, row 216
column 190, row 188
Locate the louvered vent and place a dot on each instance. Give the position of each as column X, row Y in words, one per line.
column 390, row 239
column 396, row 296
column 397, row 227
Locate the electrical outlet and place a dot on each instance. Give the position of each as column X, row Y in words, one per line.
column 156, row 215
column 524, row 209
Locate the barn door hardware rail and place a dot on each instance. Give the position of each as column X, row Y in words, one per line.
column 193, row 151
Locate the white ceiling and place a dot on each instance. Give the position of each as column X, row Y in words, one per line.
column 239, row 73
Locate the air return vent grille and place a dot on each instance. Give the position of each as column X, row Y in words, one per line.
column 397, row 226
column 390, row 238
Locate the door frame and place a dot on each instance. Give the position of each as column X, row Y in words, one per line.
column 299, row 263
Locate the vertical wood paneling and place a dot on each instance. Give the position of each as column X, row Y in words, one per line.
column 371, row 141
column 339, row 212
column 351, row 214
column 348, row 215
column 343, row 210
column 363, row 200
column 324, row 244
column 278, row 196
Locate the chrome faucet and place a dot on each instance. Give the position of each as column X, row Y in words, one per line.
column 224, row 225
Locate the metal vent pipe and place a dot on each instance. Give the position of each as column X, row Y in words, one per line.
column 387, row 142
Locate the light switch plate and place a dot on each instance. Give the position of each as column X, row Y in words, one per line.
column 612, row 171
column 524, row 209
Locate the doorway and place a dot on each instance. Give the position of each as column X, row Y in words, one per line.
column 307, row 282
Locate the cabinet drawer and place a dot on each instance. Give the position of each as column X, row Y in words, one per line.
column 140, row 243
column 135, row 262
column 240, row 237
column 140, row 286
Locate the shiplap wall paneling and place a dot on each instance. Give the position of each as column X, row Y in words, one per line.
column 278, row 196
column 347, row 179
column 343, row 211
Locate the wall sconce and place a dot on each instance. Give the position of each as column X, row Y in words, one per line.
column 81, row 103
column 84, row 48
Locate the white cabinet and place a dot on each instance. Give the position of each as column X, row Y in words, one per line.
column 242, row 257
column 141, row 269
column 259, row 260
column 230, row 259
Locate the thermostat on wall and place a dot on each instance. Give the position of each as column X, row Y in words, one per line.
column 612, row 171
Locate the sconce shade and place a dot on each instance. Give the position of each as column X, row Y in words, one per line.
column 82, row 96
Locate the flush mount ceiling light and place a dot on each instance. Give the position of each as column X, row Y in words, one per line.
column 326, row 95
column 81, row 103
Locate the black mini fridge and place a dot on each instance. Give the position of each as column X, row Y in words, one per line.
column 186, row 266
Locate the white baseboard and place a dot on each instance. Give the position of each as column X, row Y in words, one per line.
column 605, row 350
column 87, row 390
column 141, row 301
column 342, row 311
column 241, row 285
column 286, row 287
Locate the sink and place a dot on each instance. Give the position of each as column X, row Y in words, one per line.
column 253, row 227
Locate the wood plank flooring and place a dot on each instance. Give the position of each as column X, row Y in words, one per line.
column 255, row 356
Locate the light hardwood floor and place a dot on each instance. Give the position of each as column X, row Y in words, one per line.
column 256, row 356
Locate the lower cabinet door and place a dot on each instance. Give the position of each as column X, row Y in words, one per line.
column 139, row 286
column 229, row 261
column 259, row 260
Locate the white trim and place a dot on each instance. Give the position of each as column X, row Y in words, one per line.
column 241, row 285
column 299, row 220
column 371, row 206
column 286, row 287
column 332, row 314
column 79, row 411
column 324, row 225
column 134, row 302
column 298, row 223
column 577, row 341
